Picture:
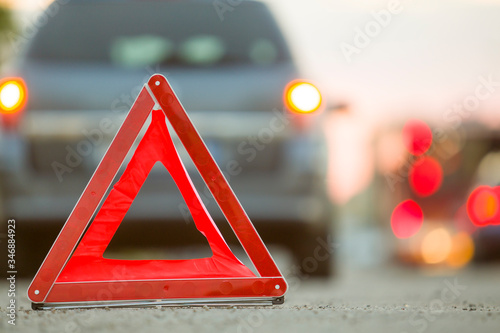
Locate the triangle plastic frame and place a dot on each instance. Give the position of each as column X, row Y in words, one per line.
column 59, row 284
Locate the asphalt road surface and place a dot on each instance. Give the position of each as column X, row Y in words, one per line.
column 385, row 299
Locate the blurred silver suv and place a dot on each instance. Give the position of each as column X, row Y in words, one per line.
column 234, row 74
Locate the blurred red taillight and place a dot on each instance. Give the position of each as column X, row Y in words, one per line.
column 302, row 97
column 407, row 219
column 425, row 176
column 483, row 206
column 417, row 136
column 13, row 95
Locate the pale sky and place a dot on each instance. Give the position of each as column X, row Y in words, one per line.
column 428, row 57
column 26, row 4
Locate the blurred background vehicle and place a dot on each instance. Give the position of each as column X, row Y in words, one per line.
column 69, row 91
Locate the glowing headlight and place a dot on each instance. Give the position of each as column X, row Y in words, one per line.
column 302, row 97
column 13, row 95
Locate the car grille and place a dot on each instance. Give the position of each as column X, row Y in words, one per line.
column 43, row 154
column 266, row 160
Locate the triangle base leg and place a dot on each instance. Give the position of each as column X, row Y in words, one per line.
column 265, row 301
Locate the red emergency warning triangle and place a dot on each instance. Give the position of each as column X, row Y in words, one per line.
column 75, row 270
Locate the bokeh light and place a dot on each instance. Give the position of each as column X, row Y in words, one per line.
column 417, row 136
column 426, row 176
column 407, row 219
column 302, row 97
column 436, row 246
column 12, row 95
column 483, row 206
column 462, row 250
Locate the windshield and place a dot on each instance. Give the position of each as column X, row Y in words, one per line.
column 138, row 34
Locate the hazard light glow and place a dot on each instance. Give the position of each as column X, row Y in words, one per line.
column 407, row 219
column 302, row 97
column 12, row 95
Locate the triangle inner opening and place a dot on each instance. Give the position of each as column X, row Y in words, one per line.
column 157, row 225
